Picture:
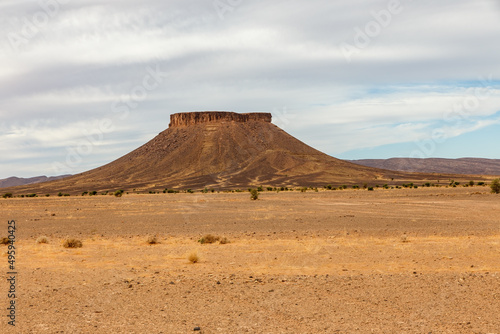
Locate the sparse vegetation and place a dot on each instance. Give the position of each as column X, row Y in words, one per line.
column 471, row 183
column 254, row 194
column 193, row 257
column 7, row 195
column 370, row 188
column 495, row 186
column 480, row 183
column 42, row 240
column 72, row 243
column 224, row 241
column 119, row 193
column 209, row 239
column 152, row 240
column 60, row 194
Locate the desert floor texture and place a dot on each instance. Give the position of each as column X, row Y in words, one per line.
column 421, row 260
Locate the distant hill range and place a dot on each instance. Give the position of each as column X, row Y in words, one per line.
column 471, row 166
column 19, row 181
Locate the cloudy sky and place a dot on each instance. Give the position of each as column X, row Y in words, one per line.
column 83, row 82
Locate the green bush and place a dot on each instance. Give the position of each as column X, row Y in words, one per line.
column 480, row 183
column 119, row 193
column 471, row 183
column 495, row 186
column 370, row 188
column 60, row 194
column 254, row 194
column 7, row 195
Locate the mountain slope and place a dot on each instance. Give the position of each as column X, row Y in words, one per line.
column 473, row 166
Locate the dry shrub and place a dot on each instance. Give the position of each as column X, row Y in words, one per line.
column 224, row 241
column 72, row 243
column 209, row 239
column 4, row 241
column 42, row 240
column 152, row 240
column 193, row 257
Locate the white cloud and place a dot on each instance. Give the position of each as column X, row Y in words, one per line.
column 263, row 56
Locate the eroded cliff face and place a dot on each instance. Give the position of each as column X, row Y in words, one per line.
column 190, row 118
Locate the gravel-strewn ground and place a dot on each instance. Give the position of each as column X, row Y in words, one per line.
column 388, row 261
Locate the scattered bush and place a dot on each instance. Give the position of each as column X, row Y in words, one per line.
column 471, row 183
column 480, row 183
column 60, row 194
column 224, row 241
column 189, row 191
column 404, row 238
column 193, row 257
column 7, row 195
column 85, row 193
column 303, row 190
column 152, row 240
column 370, row 188
column 119, row 193
column 4, row 241
column 254, row 194
column 209, row 239
column 31, row 195
column 495, row 186
column 260, row 189
column 72, row 243
column 42, row 240
column 93, row 193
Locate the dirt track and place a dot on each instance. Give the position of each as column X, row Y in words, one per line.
column 403, row 261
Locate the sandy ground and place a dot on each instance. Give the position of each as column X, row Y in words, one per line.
column 423, row 260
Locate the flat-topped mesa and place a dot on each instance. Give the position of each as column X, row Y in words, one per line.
column 191, row 118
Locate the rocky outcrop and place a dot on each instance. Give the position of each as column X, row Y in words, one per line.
column 190, row 118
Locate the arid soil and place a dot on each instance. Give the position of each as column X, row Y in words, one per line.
column 421, row 260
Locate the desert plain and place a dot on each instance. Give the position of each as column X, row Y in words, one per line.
column 423, row 260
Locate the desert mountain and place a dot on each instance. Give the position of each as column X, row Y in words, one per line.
column 19, row 181
column 221, row 150
column 473, row 166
